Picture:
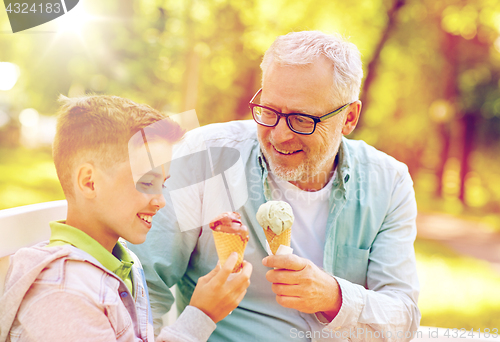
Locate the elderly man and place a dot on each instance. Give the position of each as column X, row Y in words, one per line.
column 352, row 274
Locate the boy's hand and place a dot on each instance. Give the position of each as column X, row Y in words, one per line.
column 220, row 291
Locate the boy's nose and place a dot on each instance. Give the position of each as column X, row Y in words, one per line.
column 158, row 201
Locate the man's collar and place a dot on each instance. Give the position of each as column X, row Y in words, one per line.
column 264, row 172
column 261, row 160
column 344, row 165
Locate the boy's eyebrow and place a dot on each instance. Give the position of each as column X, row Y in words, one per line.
column 147, row 148
column 154, row 174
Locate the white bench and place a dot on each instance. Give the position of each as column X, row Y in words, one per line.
column 25, row 226
column 28, row 225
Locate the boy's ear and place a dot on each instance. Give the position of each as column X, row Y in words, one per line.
column 352, row 117
column 86, row 175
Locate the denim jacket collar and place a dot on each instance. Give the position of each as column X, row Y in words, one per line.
column 264, row 171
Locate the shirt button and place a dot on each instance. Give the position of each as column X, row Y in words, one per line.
column 123, row 294
column 346, row 178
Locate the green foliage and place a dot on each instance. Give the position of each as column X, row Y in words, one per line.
column 28, row 176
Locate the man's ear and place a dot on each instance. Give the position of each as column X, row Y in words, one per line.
column 352, row 117
column 86, row 174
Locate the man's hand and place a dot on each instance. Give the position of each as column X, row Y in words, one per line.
column 220, row 291
column 299, row 284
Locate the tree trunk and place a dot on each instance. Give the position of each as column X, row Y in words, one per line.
column 191, row 74
column 468, row 129
column 371, row 69
column 190, row 82
column 247, row 86
column 450, row 94
column 444, row 132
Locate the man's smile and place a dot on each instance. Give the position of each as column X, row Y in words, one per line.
column 283, row 151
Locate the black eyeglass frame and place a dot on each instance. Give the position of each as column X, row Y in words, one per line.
column 286, row 116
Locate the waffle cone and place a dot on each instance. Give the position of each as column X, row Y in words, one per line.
column 226, row 243
column 276, row 240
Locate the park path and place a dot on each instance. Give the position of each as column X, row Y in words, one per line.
column 465, row 237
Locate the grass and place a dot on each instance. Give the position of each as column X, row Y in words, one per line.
column 456, row 291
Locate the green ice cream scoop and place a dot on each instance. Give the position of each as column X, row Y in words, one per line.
column 277, row 215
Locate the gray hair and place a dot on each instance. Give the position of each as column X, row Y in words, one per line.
column 303, row 48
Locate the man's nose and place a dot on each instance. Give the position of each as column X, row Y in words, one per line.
column 281, row 132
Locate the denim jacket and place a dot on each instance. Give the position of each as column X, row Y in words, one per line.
column 368, row 245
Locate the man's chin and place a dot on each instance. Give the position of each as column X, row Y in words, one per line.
column 288, row 174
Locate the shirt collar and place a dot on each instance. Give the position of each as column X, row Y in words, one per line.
column 119, row 262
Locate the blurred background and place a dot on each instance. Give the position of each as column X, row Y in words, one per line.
column 431, row 98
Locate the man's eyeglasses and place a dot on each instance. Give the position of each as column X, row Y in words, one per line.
column 298, row 123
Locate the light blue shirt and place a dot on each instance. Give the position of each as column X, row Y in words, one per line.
column 368, row 246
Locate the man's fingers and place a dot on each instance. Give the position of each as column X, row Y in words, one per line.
column 282, row 276
column 288, row 290
column 289, row 301
column 289, row 262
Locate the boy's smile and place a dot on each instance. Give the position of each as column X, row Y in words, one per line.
column 147, row 218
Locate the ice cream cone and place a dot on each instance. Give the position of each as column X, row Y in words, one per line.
column 276, row 218
column 275, row 240
column 226, row 243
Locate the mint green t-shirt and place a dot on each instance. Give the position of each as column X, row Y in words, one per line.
column 119, row 262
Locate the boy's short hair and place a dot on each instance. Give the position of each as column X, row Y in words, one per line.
column 96, row 129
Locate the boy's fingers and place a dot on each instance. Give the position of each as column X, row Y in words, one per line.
column 212, row 273
column 227, row 268
column 247, row 269
column 242, row 278
column 241, row 296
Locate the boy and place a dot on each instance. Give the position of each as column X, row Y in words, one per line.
column 84, row 285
